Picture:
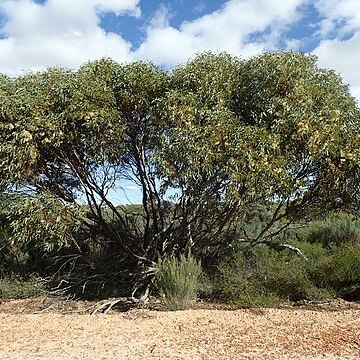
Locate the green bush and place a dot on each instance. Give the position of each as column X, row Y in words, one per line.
column 264, row 277
column 287, row 275
column 241, row 284
column 346, row 271
column 335, row 268
column 178, row 280
column 319, row 264
column 337, row 229
column 13, row 287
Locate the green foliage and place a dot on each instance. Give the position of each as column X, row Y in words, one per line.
column 335, row 268
column 318, row 265
column 275, row 128
column 11, row 257
column 336, row 230
column 240, row 284
column 332, row 247
column 45, row 221
column 5, row 247
column 346, row 263
column 288, row 276
column 303, row 110
column 12, row 287
column 264, row 277
column 346, row 271
column 178, row 280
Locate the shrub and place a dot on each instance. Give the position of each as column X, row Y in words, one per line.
column 334, row 268
column 336, row 230
column 265, row 277
column 286, row 274
column 178, row 280
column 346, row 271
column 14, row 287
column 319, row 265
column 240, row 285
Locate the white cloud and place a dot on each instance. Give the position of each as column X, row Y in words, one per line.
column 339, row 16
column 227, row 29
column 161, row 18
column 60, row 32
column 341, row 52
column 68, row 33
column 199, row 7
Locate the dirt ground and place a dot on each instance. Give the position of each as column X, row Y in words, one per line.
column 51, row 329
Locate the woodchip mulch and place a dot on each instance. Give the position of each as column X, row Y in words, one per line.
column 48, row 329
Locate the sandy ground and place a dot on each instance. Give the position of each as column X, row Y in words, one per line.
column 32, row 332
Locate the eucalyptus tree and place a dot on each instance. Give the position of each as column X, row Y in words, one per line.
column 222, row 134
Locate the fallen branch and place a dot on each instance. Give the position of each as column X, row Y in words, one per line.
column 293, row 248
column 108, row 305
column 278, row 246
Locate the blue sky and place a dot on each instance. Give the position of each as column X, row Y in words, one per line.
column 36, row 34
column 133, row 29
